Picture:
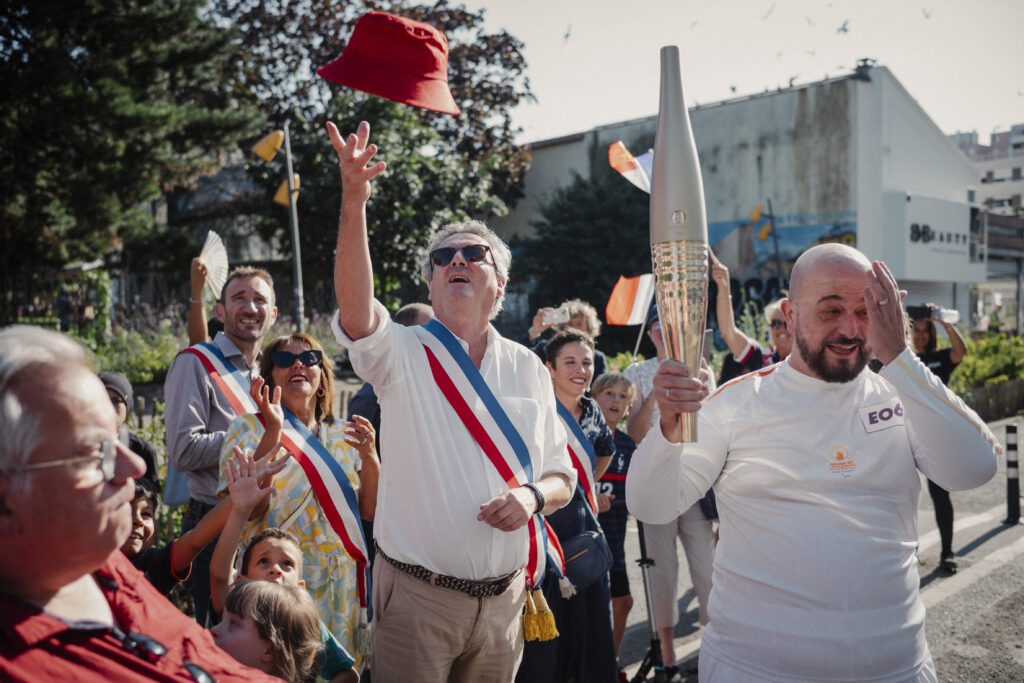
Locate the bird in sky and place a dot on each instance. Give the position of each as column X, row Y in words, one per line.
column 927, row 14
column 845, row 28
column 733, row 89
column 792, row 79
column 769, row 12
column 568, row 32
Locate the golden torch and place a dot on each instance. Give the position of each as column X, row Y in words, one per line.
column 679, row 229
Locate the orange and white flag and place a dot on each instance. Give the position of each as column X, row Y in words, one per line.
column 636, row 170
column 630, row 299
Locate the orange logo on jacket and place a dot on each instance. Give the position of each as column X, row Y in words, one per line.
column 840, row 462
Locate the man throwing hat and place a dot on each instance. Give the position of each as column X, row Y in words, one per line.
column 454, row 510
column 815, row 465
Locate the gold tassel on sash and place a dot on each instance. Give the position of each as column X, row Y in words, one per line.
column 538, row 619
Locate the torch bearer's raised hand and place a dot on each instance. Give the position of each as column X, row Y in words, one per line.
column 677, row 392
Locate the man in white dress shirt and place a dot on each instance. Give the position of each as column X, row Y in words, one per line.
column 815, row 463
column 452, row 537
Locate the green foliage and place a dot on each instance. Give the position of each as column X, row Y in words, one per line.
column 143, row 357
column 991, row 359
column 107, row 104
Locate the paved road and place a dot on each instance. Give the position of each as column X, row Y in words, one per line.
column 975, row 619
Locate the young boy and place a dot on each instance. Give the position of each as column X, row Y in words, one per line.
column 273, row 555
column 170, row 564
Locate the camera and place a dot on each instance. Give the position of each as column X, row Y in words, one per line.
column 944, row 315
column 556, row 316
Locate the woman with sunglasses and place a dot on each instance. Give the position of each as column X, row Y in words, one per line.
column 746, row 355
column 296, row 376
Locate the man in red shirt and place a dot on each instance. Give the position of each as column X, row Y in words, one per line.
column 71, row 606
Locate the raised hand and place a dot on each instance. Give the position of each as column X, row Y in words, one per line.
column 719, row 273
column 243, row 481
column 198, row 276
column 887, row 321
column 354, row 153
column 269, row 404
column 362, row 436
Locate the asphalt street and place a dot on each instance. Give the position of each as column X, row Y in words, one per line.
column 975, row 618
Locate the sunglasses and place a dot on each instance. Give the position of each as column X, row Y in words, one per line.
column 285, row 359
column 474, row 253
column 778, row 324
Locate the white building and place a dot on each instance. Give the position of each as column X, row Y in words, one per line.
column 853, row 159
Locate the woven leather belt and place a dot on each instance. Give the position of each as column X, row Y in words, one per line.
column 487, row 588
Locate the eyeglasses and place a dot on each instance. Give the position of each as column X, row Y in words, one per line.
column 286, row 359
column 107, row 457
column 778, row 324
column 151, row 650
column 474, row 253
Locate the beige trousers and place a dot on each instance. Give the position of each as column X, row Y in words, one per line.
column 426, row 634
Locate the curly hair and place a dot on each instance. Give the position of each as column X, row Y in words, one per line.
column 325, row 392
column 578, row 307
column 287, row 618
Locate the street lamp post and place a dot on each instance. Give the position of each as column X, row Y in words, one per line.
column 300, row 307
column 267, row 149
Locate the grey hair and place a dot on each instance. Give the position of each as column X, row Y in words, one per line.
column 24, row 348
column 500, row 252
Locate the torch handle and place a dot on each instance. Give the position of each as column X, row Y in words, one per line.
column 681, row 271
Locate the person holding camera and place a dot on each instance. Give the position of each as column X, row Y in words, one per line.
column 941, row 362
column 573, row 314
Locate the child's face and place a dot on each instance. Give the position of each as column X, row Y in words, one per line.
column 278, row 560
column 239, row 637
column 614, row 403
column 143, row 528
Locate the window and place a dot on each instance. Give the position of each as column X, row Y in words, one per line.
column 1016, row 173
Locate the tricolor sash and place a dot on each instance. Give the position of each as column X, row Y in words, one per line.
column 232, row 383
column 581, row 453
column 476, row 406
column 331, row 487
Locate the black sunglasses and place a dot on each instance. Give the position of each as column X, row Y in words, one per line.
column 474, row 253
column 285, row 359
column 778, row 324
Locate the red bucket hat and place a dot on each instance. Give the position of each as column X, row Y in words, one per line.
column 396, row 58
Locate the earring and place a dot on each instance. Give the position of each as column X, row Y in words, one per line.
column 322, row 391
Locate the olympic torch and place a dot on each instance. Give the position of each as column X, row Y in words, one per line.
column 679, row 230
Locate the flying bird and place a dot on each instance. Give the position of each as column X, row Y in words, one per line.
column 733, row 89
column 926, row 13
column 845, row 28
column 769, row 12
column 568, row 32
column 793, row 78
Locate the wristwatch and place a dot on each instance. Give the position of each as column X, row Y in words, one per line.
column 536, row 494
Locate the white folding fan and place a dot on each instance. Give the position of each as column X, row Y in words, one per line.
column 215, row 256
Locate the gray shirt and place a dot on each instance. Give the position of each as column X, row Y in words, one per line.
column 197, row 416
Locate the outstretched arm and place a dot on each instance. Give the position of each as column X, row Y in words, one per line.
column 245, row 494
column 353, row 273
column 734, row 338
column 196, row 308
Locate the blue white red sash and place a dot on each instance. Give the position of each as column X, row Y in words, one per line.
column 476, row 406
column 232, row 383
column 581, row 453
column 331, row 487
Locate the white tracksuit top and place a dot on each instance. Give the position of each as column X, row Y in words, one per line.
column 817, row 485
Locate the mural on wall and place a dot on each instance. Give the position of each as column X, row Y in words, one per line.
column 760, row 250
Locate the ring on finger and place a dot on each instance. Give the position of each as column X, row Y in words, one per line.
column 883, row 302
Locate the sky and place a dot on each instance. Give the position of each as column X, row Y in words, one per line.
column 593, row 62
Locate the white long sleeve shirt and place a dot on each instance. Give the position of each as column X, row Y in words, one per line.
column 434, row 476
column 817, row 486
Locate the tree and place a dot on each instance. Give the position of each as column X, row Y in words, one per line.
column 422, row 189
column 441, row 167
column 591, row 232
column 109, row 103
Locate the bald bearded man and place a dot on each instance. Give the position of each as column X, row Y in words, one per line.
column 815, row 465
